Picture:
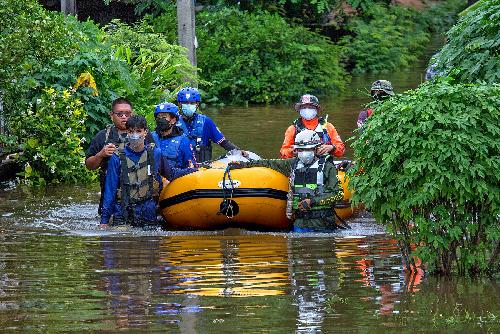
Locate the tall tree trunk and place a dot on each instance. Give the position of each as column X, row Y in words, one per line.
column 186, row 28
column 68, row 7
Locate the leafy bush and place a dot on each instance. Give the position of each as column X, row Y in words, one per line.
column 260, row 58
column 441, row 16
column 160, row 68
column 472, row 53
column 30, row 38
column 384, row 39
column 429, row 168
column 51, row 130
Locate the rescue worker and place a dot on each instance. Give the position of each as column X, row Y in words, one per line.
column 380, row 90
column 308, row 107
column 313, row 183
column 170, row 138
column 133, row 179
column 200, row 129
column 108, row 140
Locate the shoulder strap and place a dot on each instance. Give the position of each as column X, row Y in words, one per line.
column 108, row 132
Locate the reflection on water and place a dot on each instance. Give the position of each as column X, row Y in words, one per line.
column 215, row 283
column 59, row 273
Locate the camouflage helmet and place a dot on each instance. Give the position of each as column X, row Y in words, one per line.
column 307, row 99
column 383, row 85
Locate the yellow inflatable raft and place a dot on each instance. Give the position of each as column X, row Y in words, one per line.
column 255, row 198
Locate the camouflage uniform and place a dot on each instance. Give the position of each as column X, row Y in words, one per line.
column 320, row 217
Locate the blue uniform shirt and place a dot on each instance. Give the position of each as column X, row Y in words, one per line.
column 176, row 148
column 203, row 127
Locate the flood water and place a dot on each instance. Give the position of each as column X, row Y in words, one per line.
column 59, row 273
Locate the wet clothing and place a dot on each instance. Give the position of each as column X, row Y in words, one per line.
column 318, row 182
column 143, row 206
column 326, row 130
column 363, row 116
column 202, row 131
column 108, row 135
column 175, row 147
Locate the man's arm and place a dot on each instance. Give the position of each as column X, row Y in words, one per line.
column 170, row 172
column 98, row 151
column 286, row 150
column 335, row 138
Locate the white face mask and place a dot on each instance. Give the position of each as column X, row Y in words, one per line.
column 308, row 113
column 307, row 157
column 135, row 140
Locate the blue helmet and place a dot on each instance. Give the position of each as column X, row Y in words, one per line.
column 167, row 107
column 188, row 94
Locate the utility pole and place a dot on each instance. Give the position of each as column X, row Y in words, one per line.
column 68, row 7
column 186, row 28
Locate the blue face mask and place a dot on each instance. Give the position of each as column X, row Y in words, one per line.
column 188, row 110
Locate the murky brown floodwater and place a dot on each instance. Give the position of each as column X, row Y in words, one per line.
column 59, row 273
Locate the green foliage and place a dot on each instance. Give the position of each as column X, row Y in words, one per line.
column 472, row 53
column 441, row 16
column 429, row 168
column 43, row 50
column 384, row 39
column 160, row 68
column 30, row 38
column 51, row 130
column 272, row 63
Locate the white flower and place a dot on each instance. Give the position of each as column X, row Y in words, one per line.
column 38, row 101
column 52, row 170
column 68, row 130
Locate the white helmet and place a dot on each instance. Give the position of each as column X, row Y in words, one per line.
column 307, row 139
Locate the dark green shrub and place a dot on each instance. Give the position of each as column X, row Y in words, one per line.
column 472, row 52
column 384, row 39
column 261, row 58
column 429, row 168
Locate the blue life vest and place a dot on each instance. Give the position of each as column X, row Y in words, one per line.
column 169, row 147
column 195, row 130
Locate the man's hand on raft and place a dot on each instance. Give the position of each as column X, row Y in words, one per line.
column 324, row 149
column 305, row 204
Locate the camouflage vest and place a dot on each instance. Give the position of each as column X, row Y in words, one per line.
column 138, row 181
column 308, row 181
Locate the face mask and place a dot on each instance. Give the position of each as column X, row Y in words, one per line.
column 162, row 125
column 307, row 157
column 379, row 95
column 308, row 113
column 188, row 110
column 135, row 140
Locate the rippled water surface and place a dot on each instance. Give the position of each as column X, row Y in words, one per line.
column 60, row 273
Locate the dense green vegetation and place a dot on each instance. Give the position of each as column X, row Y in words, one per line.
column 385, row 38
column 472, row 52
column 275, row 62
column 429, row 159
column 41, row 51
column 428, row 165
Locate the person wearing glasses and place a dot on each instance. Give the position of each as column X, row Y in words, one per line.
column 108, row 140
